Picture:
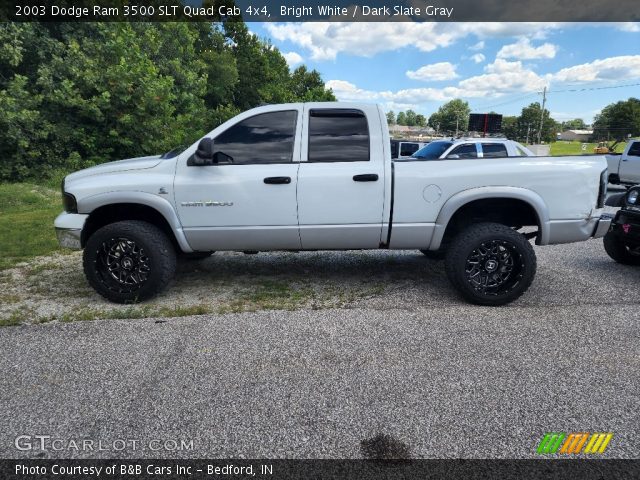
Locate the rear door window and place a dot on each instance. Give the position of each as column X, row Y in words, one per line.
column 466, row 150
column 338, row 135
column 494, row 150
column 634, row 150
column 408, row 149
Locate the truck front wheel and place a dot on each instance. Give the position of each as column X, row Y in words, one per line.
column 129, row 261
column 490, row 264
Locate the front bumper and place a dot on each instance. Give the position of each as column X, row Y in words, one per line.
column 69, row 229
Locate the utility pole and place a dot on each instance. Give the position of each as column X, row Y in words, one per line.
column 544, row 101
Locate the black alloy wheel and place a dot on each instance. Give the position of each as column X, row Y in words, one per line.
column 490, row 264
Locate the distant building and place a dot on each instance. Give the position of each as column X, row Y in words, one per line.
column 576, row 135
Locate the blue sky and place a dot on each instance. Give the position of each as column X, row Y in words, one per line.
column 494, row 66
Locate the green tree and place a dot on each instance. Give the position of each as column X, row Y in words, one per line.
column 391, row 118
column 618, row 120
column 402, row 118
column 307, row 86
column 421, row 120
column 510, row 128
column 76, row 94
column 451, row 117
column 529, row 121
column 411, row 118
column 575, row 124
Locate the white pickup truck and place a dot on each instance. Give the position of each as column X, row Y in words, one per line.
column 319, row 176
column 625, row 169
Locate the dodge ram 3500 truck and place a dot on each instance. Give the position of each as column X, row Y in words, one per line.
column 319, row 176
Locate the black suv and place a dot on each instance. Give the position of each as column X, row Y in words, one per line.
column 622, row 242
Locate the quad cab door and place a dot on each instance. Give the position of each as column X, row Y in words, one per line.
column 630, row 164
column 341, row 180
column 247, row 199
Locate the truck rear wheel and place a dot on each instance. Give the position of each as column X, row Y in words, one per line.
column 619, row 251
column 490, row 264
column 129, row 261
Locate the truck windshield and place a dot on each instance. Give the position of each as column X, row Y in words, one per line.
column 432, row 151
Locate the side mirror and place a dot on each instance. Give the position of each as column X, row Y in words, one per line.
column 204, row 154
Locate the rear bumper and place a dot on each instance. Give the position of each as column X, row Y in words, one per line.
column 603, row 225
column 69, row 230
column 569, row 231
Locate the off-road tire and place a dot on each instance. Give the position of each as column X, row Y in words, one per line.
column 465, row 256
column 617, row 250
column 148, row 254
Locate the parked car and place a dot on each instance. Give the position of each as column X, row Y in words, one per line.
column 622, row 242
column 404, row 149
column 625, row 169
column 319, row 176
column 467, row 148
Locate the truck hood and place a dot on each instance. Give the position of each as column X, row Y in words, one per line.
column 139, row 163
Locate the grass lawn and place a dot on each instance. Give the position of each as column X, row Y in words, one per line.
column 575, row 148
column 27, row 212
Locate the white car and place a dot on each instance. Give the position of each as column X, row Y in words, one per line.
column 468, row 148
column 319, row 176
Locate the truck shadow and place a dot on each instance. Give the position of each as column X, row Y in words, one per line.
column 407, row 276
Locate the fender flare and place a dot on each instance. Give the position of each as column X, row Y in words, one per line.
column 161, row 205
column 454, row 203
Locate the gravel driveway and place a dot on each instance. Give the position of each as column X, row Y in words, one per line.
column 400, row 356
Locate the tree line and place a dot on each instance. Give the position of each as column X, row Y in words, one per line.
column 615, row 122
column 77, row 94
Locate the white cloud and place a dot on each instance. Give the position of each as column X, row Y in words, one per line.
column 629, row 26
column 500, row 78
column 624, row 67
column 325, row 40
column 478, row 58
column 503, row 77
column 523, row 50
column 347, row 91
column 292, row 58
column 434, row 72
column 477, row 46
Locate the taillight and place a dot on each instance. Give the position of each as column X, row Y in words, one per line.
column 602, row 193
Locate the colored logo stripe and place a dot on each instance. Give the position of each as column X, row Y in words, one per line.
column 598, row 443
column 574, row 442
column 550, row 442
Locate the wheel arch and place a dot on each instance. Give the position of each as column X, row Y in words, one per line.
column 498, row 204
column 111, row 207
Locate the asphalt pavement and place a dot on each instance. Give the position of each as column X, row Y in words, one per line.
column 416, row 366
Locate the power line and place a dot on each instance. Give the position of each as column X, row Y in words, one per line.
column 591, row 88
column 517, row 99
column 529, row 95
